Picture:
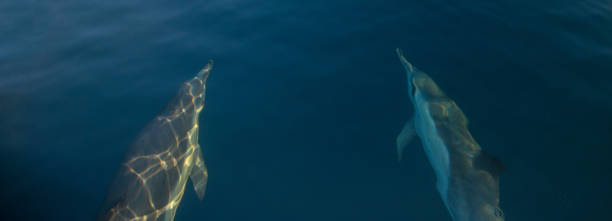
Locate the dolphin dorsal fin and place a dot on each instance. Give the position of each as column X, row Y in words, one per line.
column 199, row 174
column 405, row 137
column 487, row 162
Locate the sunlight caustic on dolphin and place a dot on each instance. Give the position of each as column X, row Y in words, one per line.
column 151, row 181
column 467, row 177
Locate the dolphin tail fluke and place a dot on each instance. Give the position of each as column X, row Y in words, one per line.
column 409, row 68
column 405, row 138
column 199, row 174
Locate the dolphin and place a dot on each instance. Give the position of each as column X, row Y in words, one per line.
column 151, row 181
column 467, row 177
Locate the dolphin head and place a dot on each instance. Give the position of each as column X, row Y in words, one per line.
column 420, row 85
column 196, row 87
column 190, row 97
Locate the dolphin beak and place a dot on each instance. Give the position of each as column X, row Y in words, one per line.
column 203, row 74
column 409, row 68
column 410, row 72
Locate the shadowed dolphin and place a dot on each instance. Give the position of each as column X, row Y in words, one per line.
column 152, row 178
column 467, row 177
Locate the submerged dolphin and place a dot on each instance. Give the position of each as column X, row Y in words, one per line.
column 151, row 181
column 467, row 177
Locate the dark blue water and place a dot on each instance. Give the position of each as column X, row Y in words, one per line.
column 305, row 101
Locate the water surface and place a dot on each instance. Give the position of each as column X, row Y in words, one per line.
column 305, row 101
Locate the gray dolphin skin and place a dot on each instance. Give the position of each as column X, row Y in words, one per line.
column 151, row 181
column 467, row 177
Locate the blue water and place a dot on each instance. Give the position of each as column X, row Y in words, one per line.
column 305, row 101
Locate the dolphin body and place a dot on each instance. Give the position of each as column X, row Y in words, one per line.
column 151, row 181
column 467, row 177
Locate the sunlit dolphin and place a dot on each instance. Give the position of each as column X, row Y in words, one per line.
column 467, row 177
column 151, row 181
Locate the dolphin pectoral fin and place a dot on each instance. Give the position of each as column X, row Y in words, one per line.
column 405, row 137
column 199, row 174
column 409, row 68
column 487, row 162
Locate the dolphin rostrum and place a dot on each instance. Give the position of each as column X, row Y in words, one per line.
column 467, row 177
column 151, row 181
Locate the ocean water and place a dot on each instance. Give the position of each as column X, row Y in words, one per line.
column 305, row 101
